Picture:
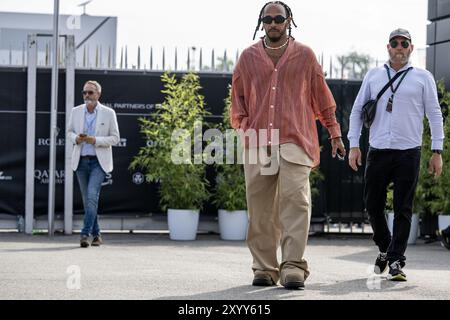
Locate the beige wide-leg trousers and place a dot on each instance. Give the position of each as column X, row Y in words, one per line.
column 279, row 206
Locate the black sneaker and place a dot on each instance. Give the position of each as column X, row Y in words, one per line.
column 395, row 272
column 381, row 263
column 84, row 243
column 445, row 239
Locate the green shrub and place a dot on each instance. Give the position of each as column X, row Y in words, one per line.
column 443, row 198
column 432, row 194
column 181, row 186
column 230, row 191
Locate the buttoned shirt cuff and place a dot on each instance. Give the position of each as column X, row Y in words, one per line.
column 354, row 142
column 437, row 145
column 335, row 131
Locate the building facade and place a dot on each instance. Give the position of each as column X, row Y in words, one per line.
column 438, row 40
column 95, row 38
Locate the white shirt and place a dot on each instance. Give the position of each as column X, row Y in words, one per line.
column 402, row 128
column 89, row 129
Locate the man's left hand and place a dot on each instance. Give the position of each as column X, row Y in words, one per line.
column 336, row 145
column 435, row 165
column 90, row 140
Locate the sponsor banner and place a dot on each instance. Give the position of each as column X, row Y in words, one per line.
column 132, row 95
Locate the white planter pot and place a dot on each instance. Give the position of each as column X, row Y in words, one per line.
column 183, row 224
column 413, row 233
column 444, row 222
column 233, row 224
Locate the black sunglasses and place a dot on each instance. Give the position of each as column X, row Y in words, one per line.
column 84, row 92
column 404, row 43
column 278, row 19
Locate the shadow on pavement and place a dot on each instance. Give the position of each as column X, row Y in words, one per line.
column 54, row 249
column 360, row 286
column 246, row 292
column 340, row 288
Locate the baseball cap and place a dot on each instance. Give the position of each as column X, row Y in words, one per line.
column 400, row 33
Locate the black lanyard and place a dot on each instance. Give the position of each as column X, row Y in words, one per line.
column 394, row 90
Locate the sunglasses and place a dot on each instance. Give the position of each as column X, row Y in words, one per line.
column 84, row 92
column 278, row 19
column 404, row 43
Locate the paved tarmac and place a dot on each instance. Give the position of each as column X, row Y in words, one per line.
column 150, row 266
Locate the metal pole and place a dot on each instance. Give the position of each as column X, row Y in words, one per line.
column 331, row 67
column 139, row 58
column 126, row 57
column 23, row 54
column 121, row 58
column 53, row 123
column 109, row 58
column 225, row 61
column 176, row 59
column 188, row 59
column 31, row 133
column 70, row 102
column 151, row 58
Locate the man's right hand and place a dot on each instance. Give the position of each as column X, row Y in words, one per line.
column 80, row 139
column 354, row 159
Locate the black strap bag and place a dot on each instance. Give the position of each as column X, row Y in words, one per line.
column 369, row 109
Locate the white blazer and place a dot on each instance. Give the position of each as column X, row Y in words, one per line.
column 106, row 135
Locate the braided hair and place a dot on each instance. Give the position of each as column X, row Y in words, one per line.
column 288, row 13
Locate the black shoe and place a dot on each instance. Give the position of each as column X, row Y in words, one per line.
column 262, row 279
column 395, row 272
column 381, row 263
column 295, row 285
column 97, row 241
column 445, row 239
column 292, row 279
column 84, row 243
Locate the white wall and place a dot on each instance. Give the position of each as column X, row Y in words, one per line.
column 14, row 28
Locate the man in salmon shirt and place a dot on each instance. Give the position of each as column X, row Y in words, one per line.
column 278, row 92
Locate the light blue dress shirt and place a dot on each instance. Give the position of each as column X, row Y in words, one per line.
column 90, row 120
column 402, row 128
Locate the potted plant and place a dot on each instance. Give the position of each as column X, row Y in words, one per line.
column 182, row 183
column 426, row 191
column 230, row 193
column 431, row 194
column 442, row 204
column 230, row 197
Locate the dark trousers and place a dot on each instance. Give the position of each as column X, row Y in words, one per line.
column 402, row 168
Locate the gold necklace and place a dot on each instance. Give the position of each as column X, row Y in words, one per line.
column 272, row 48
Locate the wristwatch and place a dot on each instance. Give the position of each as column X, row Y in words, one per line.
column 437, row 151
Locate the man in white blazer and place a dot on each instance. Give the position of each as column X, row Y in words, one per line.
column 93, row 130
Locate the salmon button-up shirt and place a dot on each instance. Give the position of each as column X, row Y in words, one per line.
column 289, row 97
